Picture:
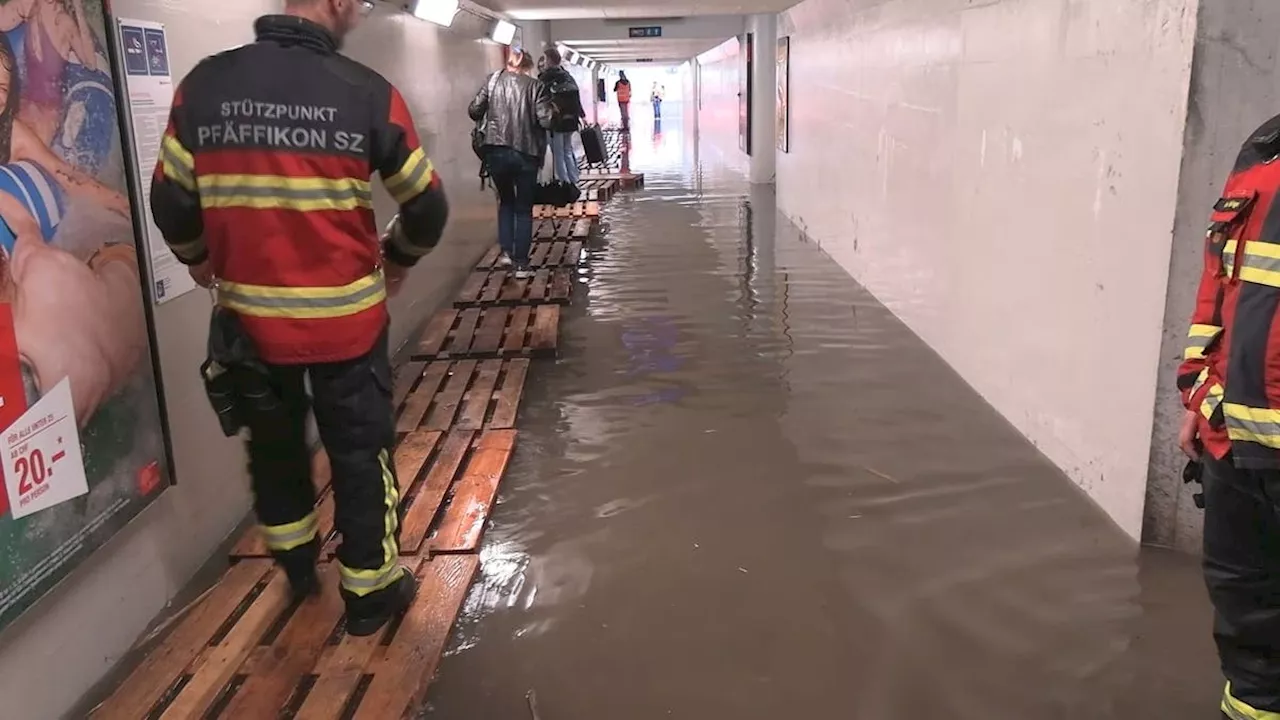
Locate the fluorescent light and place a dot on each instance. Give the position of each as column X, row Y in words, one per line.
column 503, row 32
column 440, row 12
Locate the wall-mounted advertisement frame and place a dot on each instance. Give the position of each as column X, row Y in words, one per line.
column 83, row 437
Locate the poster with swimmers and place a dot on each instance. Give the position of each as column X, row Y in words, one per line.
column 82, row 447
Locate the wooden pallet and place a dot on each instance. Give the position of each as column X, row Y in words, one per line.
column 598, row 190
column 576, row 210
column 246, row 651
column 431, row 467
column 500, row 287
column 553, row 254
column 461, row 395
column 626, row 181
column 561, row 229
column 522, row 331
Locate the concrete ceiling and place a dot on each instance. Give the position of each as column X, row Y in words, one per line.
column 584, row 9
column 627, row 51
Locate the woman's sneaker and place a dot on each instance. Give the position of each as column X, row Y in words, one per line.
column 504, row 261
column 524, row 272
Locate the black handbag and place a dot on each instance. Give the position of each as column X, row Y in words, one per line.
column 478, row 131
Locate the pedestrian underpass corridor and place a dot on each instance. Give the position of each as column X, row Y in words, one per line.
column 745, row 490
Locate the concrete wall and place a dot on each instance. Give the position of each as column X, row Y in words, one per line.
column 75, row 635
column 719, row 72
column 1233, row 91
column 1003, row 176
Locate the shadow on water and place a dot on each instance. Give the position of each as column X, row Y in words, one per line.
column 747, row 491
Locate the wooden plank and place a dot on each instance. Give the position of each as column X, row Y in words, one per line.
column 546, row 326
column 504, row 414
column 404, row 377
column 591, row 209
column 468, row 512
column 218, row 663
column 561, row 287
column 538, row 255
column 490, row 259
column 401, row 677
column 464, row 335
column 473, row 287
column 273, row 675
column 436, row 334
column 138, row 694
column 517, row 331
column 338, row 674
column 420, row 515
column 420, row 401
column 447, row 402
column 581, row 229
column 475, row 405
column 489, row 339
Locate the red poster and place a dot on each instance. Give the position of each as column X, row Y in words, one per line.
column 13, row 398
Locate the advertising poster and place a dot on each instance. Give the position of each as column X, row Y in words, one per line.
column 784, row 94
column 82, row 447
column 144, row 52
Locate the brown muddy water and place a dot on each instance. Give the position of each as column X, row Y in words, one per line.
column 747, row 491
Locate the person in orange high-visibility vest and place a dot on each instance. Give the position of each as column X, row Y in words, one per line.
column 623, row 90
column 262, row 190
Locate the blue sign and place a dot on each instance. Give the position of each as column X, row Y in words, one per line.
column 646, row 32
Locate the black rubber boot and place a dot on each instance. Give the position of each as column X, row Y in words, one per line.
column 300, row 566
column 367, row 615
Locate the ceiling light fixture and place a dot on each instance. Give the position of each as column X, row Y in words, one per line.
column 503, row 32
column 440, row 12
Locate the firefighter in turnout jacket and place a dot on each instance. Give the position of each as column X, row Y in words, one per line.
column 263, row 191
column 1230, row 383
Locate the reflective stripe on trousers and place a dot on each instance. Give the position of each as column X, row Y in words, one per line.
column 281, row 538
column 1240, row 710
column 359, row 581
column 303, row 302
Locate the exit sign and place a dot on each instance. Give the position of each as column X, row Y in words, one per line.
column 646, row 32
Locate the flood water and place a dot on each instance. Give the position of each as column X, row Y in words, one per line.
column 745, row 490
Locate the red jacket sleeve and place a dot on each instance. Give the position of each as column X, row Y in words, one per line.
column 175, row 197
column 412, row 181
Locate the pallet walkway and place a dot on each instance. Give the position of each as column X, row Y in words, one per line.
column 245, row 650
column 556, row 253
column 580, row 209
column 501, row 287
column 626, row 180
column 553, row 229
column 598, row 190
column 522, row 331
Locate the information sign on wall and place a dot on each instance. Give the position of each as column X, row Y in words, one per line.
column 653, row 31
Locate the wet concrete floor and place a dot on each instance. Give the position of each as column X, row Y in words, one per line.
column 747, row 491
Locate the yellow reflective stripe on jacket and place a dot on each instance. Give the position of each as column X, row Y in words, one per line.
column 412, row 179
column 303, row 302
column 291, row 535
column 1229, row 257
column 361, row 582
column 1212, row 401
column 1198, row 338
column 1260, row 263
column 178, row 164
column 1255, row 425
column 1201, row 379
column 277, row 192
column 1240, row 710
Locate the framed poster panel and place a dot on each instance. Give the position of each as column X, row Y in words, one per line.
column 784, row 94
column 83, row 447
column 745, row 77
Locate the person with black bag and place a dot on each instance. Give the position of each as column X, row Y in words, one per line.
column 517, row 112
column 569, row 116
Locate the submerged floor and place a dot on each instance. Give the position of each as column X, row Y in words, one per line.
column 746, row 491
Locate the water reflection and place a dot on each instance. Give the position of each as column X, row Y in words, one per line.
column 746, row 491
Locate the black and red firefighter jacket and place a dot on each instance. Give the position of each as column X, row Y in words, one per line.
column 1230, row 373
column 264, row 171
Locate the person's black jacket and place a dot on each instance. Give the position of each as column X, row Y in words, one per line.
column 517, row 114
column 564, row 94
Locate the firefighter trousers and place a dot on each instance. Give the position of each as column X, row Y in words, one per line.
column 351, row 401
column 1242, row 572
